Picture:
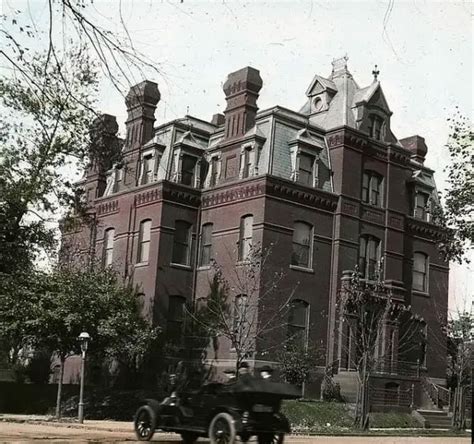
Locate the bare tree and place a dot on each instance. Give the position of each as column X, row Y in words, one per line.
column 366, row 308
column 72, row 23
column 245, row 307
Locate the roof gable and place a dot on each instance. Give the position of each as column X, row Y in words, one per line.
column 320, row 84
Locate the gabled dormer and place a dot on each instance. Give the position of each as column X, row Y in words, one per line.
column 320, row 93
column 372, row 113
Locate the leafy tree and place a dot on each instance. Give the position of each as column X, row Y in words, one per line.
column 97, row 302
column 297, row 362
column 44, row 129
column 460, row 333
column 457, row 216
column 19, row 298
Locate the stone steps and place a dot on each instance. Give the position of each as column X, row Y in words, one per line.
column 436, row 419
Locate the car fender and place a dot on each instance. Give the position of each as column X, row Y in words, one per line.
column 154, row 404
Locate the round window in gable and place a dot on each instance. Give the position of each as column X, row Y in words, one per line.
column 318, row 104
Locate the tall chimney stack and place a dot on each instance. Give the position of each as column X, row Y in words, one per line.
column 141, row 103
column 241, row 90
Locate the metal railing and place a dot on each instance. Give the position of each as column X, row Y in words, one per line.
column 395, row 367
column 440, row 396
column 393, row 397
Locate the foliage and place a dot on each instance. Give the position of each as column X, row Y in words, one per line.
column 297, row 363
column 44, row 129
column 19, row 298
column 457, row 217
column 311, row 417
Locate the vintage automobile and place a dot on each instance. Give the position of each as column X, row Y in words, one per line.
column 222, row 412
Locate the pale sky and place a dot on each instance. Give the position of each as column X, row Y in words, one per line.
column 423, row 50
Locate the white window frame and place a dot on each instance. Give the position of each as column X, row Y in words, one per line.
column 144, row 241
column 109, row 239
column 309, row 264
column 245, row 238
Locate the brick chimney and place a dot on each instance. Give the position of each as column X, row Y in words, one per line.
column 141, row 103
column 104, row 151
column 241, row 90
column 417, row 146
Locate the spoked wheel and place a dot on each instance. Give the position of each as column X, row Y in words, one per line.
column 222, row 429
column 189, row 437
column 145, row 423
column 271, row 438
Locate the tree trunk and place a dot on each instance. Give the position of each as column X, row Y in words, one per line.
column 60, row 386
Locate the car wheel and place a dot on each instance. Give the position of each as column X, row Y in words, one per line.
column 145, row 423
column 189, row 437
column 222, row 429
column 271, row 438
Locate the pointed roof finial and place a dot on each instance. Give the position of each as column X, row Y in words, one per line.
column 375, row 73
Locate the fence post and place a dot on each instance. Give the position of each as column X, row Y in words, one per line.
column 412, row 405
column 418, row 367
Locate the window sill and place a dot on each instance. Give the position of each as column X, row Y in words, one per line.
column 181, row 266
column 303, row 269
column 141, row 264
column 242, row 263
column 371, row 205
column 204, row 267
column 420, row 293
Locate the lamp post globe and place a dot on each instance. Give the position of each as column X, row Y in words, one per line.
column 84, row 339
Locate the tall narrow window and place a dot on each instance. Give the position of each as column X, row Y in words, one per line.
column 148, row 168
column 206, row 245
column 302, row 245
column 188, row 168
column 175, row 324
column 144, row 241
column 245, row 238
column 421, row 205
column 306, row 169
column 182, row 243
column 372, row 188
column 376, row 127
column 240, row 318
column 118, row 179
column 109, row 236
column 420, row 272
column 214, row 171
column 247, row 163
column 369, row 256
column 298, row 323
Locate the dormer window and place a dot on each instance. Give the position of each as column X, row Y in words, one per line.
column 188, row 170
column 246, row 162
column 421, row 205
column 307, row 170
column 149, row 163
column 376, row 128
column 118, row 179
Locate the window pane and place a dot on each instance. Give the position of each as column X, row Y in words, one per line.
column 418, row 281
column 145, row 230
column 206, row 244
column 245, row 241
column 144, row 251
column 181, row 243
column 187, row 171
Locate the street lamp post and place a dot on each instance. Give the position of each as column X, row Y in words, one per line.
column 84, row 339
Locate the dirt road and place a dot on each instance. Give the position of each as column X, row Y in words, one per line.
column 103, row 431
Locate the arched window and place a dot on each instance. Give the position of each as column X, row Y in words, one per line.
column 182, row 243
column 301, row 255
column 298, row 321
column 245, row 237
column 144, row 241
column 369, row 256
column 420, row 272
column 206, row 245
column 109, row 236
column 372, row 191
column 175, row 321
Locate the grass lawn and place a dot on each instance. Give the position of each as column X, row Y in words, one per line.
column 306, row 417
